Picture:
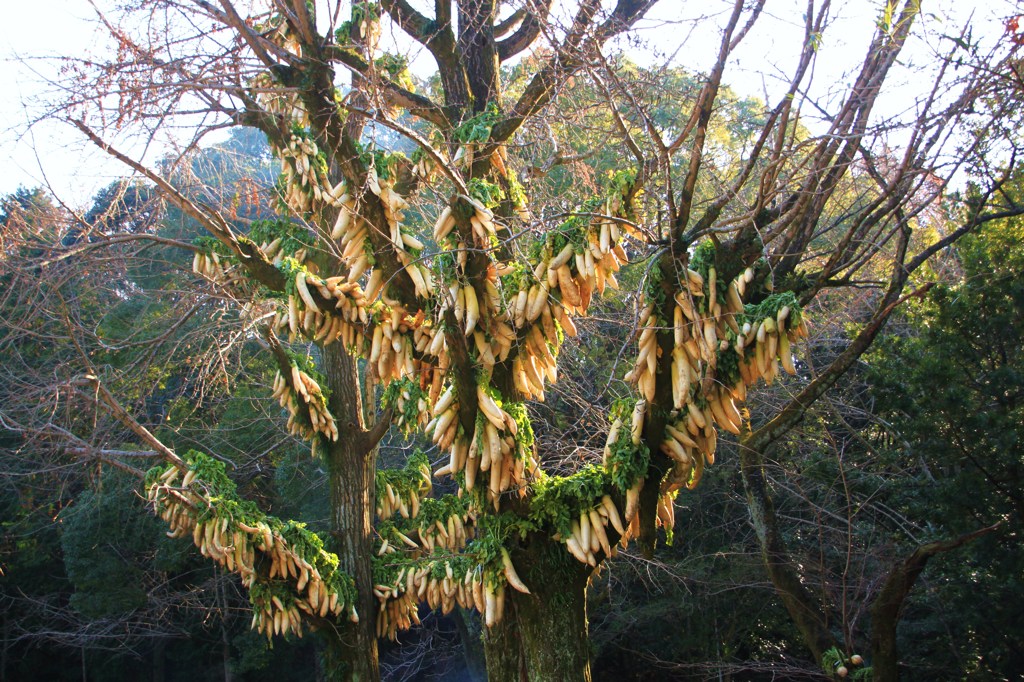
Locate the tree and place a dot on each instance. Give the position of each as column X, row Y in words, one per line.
column 462, row 325
column 966, row 335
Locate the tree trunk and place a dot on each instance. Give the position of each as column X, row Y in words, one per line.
column 503, row 650
column 4, row 647
column 887, row 607
column 544, row 636
column 351, row 648
column 225, row 641
column 806, row 612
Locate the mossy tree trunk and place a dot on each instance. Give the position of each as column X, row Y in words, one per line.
column 544, row 635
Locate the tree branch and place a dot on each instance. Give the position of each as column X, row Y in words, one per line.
column 101, row 395
column 568, row 59
column 536, row 13
column 417, row 105
column 247, row 252
column 887, row 607
column 117, row 239
column 418, row 27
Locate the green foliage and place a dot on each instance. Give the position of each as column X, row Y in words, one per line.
column 574, row 230
column 833, row 659
column 477, row 129
column 385, row 162
column 487, row 193
column 704, row 258
column 620, row 181
column 435, row 510
column 654, row 292
column 292, row 235
column 408, row 481
column 727, row 364
column 627, row 462
column 770, row 307
column 496, row 532
column 951, row 385
column 518, row 279
column 559, row 500
column 397, row 67
column 414, row 401
column 524, row 428
column 516, row 192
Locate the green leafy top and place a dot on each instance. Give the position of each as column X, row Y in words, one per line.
column 727, row 367
column 575, row 229
column 771, row 306
column 619, row 181
column 653, row 290
column 212, row 245
column 442, row 508
column 559, row 500
column 293, row 236
column 516, row 193
column 703, row 258
column 487, row 193
column 411, row 480
column 477, row 130
column 411, row 393
column 524, row 432
column 385, row 162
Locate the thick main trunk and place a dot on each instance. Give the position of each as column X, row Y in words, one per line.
column 503, row 650
column 544, row 636
column 225, row 641
column 351, row 648
column 884, row 654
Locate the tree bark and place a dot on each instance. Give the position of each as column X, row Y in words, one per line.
column 479, row 52
column 225, row 642
column 351, row 648
column 5, row 647
column 807, row 614
column 503, row 650
column 544, row 635
column 887, row 607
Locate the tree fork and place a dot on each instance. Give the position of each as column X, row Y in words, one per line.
column 887, row 607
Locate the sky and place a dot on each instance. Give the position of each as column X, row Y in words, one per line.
column 51, row 154
column 31, row 34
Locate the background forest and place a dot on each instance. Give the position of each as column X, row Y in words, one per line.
column 874, row 533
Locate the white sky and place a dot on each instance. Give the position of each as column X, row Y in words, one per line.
column 54, row 155
column 30, row 33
